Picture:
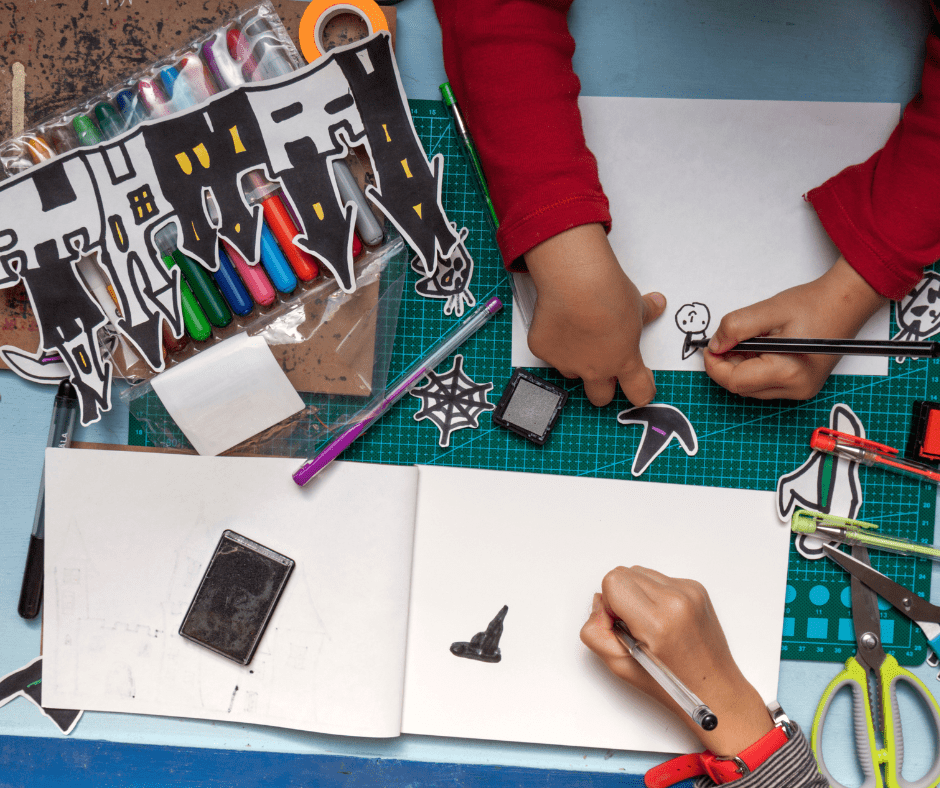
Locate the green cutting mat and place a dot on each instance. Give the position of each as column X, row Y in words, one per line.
column 742, row 443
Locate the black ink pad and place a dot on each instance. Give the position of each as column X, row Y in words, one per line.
column 530, row 406
column 236, row 597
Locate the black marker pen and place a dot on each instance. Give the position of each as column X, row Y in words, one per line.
column 64, row 410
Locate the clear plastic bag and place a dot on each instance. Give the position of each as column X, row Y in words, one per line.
column 333, row 342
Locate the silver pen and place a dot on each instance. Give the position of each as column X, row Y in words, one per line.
column 690, row 703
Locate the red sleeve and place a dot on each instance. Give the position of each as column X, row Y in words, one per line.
column 509, row 64
column 884, row 214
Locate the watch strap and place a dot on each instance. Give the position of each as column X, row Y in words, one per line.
column 721, row 769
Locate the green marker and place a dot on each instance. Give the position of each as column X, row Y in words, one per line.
column 209, row 302
column 195, row 320
column 86, row 130
column 470, row 150
column 109, row 119
column 206, row 291
column 856, row 532
column 523, row 291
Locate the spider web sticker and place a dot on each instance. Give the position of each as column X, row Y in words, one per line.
column 452, row 401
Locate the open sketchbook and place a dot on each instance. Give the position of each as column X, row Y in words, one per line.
column 393, row 564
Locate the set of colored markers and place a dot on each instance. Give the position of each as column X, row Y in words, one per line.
column 248, row 50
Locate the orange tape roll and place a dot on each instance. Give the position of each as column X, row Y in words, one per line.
column 320, row 12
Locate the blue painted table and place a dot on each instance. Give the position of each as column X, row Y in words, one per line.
column 826, row 50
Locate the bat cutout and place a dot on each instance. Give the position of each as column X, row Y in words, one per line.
column 824, row 483
column 452, row 401
column 483, row 646
column 661, row 423
column 27, row 682
column 45, row 367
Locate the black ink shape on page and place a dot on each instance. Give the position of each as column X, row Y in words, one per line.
column 450, row 280
column 483, row 646
column 236, row 598
column 824, row 483
column 530, row 406
column 27, row 682
column 692, row 320
column 452, row 401
column 661, row 423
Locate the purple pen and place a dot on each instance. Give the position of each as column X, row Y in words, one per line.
column 441, row 350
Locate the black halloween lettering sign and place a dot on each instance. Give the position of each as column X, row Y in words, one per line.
column 111, row 200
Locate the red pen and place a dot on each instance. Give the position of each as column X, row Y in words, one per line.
column 869, row 453
column 284, row 229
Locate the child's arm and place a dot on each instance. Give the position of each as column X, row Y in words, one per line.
column 835, row 306
column 589, row 315
column 884, row 216
column 509, row 65
column 675, row 620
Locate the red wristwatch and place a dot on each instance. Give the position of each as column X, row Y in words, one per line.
column 724, row 769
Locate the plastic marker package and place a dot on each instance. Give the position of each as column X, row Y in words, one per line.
column 227, row 191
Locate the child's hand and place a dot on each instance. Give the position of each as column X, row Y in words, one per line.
column 835, row 306
column 674, row 619
column 589, row 315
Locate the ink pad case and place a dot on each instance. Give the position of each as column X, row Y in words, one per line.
column 530, row 406
column 236, row 598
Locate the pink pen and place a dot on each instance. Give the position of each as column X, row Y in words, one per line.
column 410, row 378
column 254, row 277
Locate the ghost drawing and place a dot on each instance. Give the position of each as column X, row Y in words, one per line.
column 692, row 320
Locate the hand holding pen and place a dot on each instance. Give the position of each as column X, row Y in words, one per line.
column 675, row 621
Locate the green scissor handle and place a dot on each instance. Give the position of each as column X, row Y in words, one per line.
column 855, row 677
column 870, row 757
column 891, row 674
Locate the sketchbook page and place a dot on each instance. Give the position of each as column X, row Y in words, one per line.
column 541, row 545
column 128, row 538
column 707, row 204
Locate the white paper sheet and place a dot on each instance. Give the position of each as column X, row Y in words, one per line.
column 707, row 203
column 227, row 393
column 541, row 545
column 128, row 538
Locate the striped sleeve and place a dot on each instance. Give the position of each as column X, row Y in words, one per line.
column 792, row 766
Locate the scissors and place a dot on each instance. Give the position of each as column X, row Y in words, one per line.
column 870, row 658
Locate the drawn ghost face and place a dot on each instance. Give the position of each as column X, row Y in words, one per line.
column 921, row 314
column 693, row 318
